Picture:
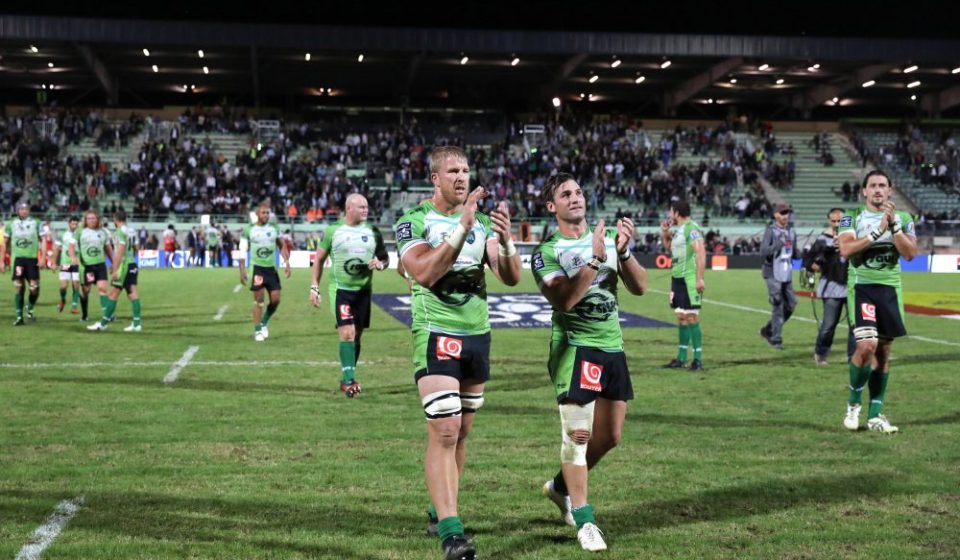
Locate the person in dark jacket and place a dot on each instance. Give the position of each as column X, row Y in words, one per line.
column 824, row 258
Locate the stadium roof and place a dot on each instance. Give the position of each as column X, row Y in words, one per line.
column 150, row 62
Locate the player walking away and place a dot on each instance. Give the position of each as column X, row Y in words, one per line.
column 69, row 265
column 778, row 250
column 213, row 244
column 264, row 239
column 92, row 244
column 443, row 244
column 23, row 239
column 577, row 272
column 873, row 238
column 688, row 261
column 123, row 275
column 356, row 249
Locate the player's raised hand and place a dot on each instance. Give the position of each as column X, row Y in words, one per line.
column 624, row 234
column 665, row 226
column 501, row 222
column 599, row 244
column 470, row 207
column 889, row 209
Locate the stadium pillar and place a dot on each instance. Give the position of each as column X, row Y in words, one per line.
column 694, row 85
column 109, row 83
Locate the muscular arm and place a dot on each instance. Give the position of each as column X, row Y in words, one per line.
column 700, row 260
column 428, row 264
column 850, row 244
column 317, row 271
column 634, row 276
column 117, row 259
column 906, row 244
column 564, row 292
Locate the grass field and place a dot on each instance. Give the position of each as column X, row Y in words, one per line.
column 253, row 453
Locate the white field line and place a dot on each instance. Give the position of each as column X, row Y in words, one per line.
column 237, row 288
column 807, row 319
column 145, row 364
column 181, row 363
column 46, row 533
column 220, row 312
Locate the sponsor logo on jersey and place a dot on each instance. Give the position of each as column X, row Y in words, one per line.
column 404, row 232
column 23, row 243
column 537, row 262
column 590, row 374
column 364, row 238
column 869, row 312
column 356, row 267
column 471, row 237
column 93, row 251
column 449, row 348
column 596, row 306
column 846, row 221
column 345, row 312
column 264, row 252
column 694, row 235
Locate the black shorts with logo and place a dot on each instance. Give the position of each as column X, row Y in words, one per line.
column 684, row 295
column 582, row 374
column 877, row 306
column 265, row 277
column 93, row 273
column 130, row 279
column 352, row 308
column 25, row 268
column 459, row 356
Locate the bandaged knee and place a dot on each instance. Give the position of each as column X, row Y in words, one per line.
column 442, row 404
column 575, row 418
column 471, row 402
column 865, row 333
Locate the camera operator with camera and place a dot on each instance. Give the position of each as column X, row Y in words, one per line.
column 824, row 258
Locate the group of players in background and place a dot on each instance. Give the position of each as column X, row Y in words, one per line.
column 444, row 246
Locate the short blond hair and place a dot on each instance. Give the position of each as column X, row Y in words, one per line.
column 439, row 154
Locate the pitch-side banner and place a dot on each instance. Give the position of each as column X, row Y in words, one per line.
column 511, row 310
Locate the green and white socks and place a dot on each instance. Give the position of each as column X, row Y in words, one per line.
column 348, row 361
column 876, row 380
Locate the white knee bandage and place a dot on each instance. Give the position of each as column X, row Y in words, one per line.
column 574, row 418
column 442, row 404
column 865, row 333
column 471, row 402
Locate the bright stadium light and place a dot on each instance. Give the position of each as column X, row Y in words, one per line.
column 779, row 81
column 155, row 69
column 836, row 100
column 912, row 68
column 34, row 49
column 733, row 80
column 913, row 84
column 665, row 64
column 206, row 70
column 913, row 97
column 616, row 62
column 49, row 65
column 556, row 102
column 593, row 78
column 360, row 57
column 146, row 52
column 869, row 83
column 816, row 66
column 307, row 57
column 200, row 53
column 639, row 79
column 515, row 61
column 763, row 67
column 955, row 70
column 464, row 60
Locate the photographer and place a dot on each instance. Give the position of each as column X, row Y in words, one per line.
column 778, row 250
column 824, row 257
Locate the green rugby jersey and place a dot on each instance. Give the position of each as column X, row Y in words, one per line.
column 24, row 235
column 879, row 263
column 213, row 237
column 350, row 249
column 682, row 255
column 595, row 320
column 91, row 245
column 65, row 241
column 126, row 237
column 263, row 244
column 457, row 303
